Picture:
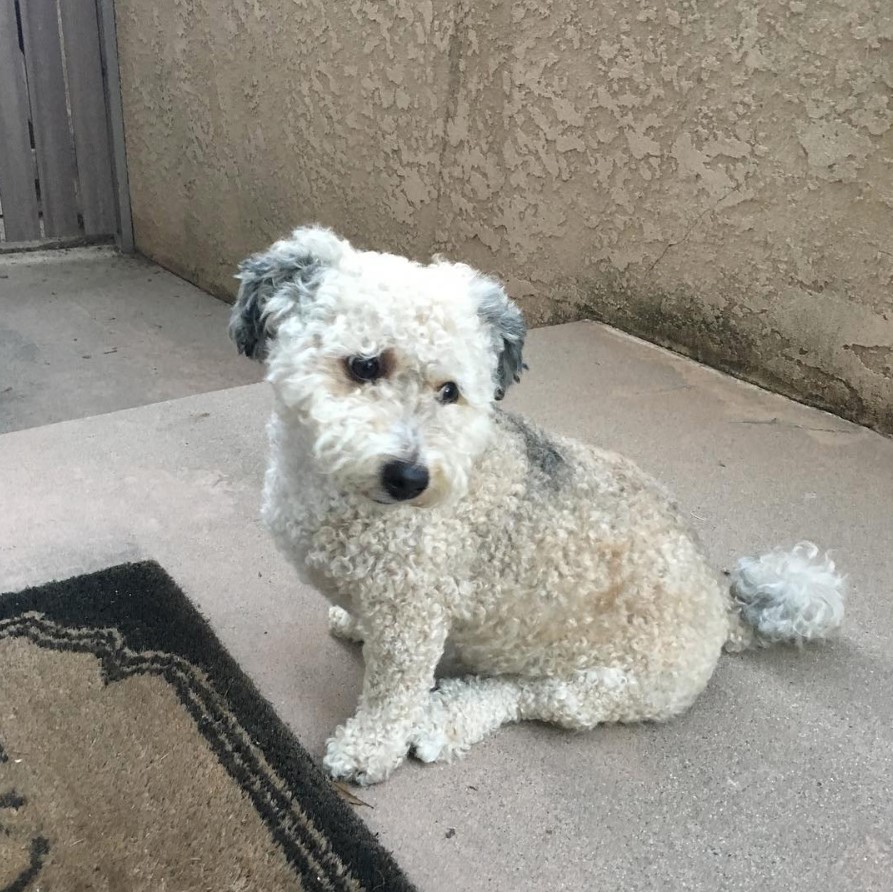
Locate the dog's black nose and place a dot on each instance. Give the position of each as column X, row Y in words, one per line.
column 403, row 480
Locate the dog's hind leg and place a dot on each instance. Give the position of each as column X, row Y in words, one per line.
column 464, row 711
column 343, row 625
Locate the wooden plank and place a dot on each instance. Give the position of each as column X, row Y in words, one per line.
column 116, row 121
column 48, row 244
column 49, row 115
column 17, row 191
column 83, row 62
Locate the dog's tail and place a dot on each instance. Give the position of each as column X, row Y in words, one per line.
column 791, row 596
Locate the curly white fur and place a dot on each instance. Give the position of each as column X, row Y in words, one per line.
column 794, row 596
column 563, row 578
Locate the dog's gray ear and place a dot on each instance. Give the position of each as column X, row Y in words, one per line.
column 276, row 282
column 507, row 327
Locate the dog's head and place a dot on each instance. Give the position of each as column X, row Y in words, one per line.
column 392, row 366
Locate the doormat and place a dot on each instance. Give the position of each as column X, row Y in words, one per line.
column 135, row 754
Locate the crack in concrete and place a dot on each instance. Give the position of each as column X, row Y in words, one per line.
column 691, row 228
column 455, row 54
column 790, row 424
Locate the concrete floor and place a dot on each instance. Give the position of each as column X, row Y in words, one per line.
column 780, row 778
column 86, row 331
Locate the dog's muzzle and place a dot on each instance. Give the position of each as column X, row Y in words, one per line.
column 403, row 480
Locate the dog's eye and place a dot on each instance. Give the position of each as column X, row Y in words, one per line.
column 448, row 393
column 364, row 368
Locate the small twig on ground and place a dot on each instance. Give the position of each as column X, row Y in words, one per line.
column 348, row 796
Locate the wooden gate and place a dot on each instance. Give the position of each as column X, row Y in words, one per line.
column 62, row 173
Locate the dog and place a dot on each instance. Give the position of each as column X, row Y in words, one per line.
column 566, row 581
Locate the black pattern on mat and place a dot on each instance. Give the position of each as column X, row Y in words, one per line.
column 135, row 619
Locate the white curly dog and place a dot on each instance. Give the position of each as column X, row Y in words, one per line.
column 567, row 582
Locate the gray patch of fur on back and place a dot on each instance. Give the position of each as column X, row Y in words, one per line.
column 544, row 457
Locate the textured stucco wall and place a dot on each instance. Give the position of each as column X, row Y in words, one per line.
column 717, row 177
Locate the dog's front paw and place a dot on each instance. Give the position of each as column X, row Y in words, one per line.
column 362, row 758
